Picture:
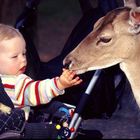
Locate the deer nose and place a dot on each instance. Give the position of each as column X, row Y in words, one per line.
column 67, row 61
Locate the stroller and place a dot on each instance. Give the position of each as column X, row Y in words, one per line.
column 100, row 95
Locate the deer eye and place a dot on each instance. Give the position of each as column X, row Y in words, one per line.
column 104, row 39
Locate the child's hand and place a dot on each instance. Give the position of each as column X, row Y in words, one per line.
column 68, row 79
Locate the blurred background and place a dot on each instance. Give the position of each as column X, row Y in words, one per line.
column 55, row 21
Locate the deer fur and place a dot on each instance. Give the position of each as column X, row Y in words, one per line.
column 115, row 39
column 130, row 3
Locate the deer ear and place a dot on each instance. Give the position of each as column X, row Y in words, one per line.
column 98, row 22
column 130, row 3
column 134, row 20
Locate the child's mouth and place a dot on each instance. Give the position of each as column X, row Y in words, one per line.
column 23, row 69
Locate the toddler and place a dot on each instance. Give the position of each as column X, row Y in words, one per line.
column 24, row 91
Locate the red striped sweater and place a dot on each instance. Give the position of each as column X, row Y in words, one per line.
column 25, row 92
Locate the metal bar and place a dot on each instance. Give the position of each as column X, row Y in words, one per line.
column 76, row 119
column 77, row 124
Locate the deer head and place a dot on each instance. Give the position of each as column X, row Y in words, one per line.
column 114, row 39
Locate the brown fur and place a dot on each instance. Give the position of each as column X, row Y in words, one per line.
column 115, row 39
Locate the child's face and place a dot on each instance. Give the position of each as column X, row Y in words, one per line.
column 13, row 56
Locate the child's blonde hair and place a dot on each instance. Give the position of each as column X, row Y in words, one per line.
column 8, row 32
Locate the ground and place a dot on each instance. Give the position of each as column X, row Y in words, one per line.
column 125, row 122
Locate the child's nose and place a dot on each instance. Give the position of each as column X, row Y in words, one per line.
column 23, row 58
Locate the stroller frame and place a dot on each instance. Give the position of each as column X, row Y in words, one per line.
column 76, row 119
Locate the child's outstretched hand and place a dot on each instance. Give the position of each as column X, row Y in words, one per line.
column 67, row 79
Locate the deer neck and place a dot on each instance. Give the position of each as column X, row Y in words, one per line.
column 132, row 71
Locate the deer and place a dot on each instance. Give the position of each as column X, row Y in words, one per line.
column 115, row 39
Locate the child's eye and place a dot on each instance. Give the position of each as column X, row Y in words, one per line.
column 14, row 56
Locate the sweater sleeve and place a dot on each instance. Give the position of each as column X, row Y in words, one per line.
column 33, row 93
